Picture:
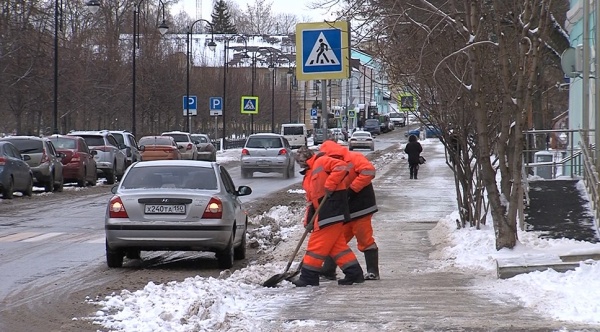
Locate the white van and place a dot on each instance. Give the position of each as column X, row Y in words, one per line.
column 295, row 133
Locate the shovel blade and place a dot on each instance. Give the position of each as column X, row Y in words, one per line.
column 274, row 280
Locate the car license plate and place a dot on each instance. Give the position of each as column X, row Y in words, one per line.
column 164, row 209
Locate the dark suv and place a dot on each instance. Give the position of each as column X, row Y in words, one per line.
column 373, row 126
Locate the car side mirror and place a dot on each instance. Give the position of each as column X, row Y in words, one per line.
column 122, row 146
column 196, row 142
column 181, row 147
column 244, row 191
column 26, row 157
column 142, row 148
column 93, row 152
column 114, row 189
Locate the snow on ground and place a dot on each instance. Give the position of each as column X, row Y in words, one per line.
column 237, row 301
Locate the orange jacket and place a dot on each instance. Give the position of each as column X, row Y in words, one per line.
column 326, row 174
column 361, row 173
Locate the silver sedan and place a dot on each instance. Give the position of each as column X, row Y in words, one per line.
column 176, row 205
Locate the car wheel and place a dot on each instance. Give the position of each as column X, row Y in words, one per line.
column 59, row 187
column 293, row 174
column 214, row 156
column 94, row 179
column 119, row 174
column 8, row 191
column 29, row 190
column 114, row 258
column 49, row 186
column 225, row 256
column 286, row 173
column 240, row 252
column 372, row 148
column 110, row 175
column 81, row 181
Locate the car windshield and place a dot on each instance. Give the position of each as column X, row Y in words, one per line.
column 179, row 137
column 372, row 122
column 293, row 131
column 396, row 115
column 63, row 143
column 264, row 142
column 93, row 140
column 179, row 177
column 155, row 141
column 200, row 138
column 28, row 145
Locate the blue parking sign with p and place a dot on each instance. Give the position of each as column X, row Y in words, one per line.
column 190, row 104
column 216, row 103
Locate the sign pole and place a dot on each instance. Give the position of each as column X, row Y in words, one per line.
column 324, row 113
column 216, row 130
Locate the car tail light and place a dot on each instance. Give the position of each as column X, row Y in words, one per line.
column 282, row 152
column 2, row 161
column 76, row 157
column 189, row 146
column 214, row 209
column 116, row 209
column 245, row 152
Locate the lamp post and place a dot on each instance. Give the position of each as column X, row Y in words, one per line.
column 273, row 70
column 211, row 45
column 162, row 28
column 351, row 98
column 290, row 75
column 92, row 6
column 253, row 76
column 225, row 65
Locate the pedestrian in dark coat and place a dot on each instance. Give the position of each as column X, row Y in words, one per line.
column 413, row 149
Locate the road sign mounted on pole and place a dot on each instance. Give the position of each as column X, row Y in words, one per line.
column 249, row 105
column 323, row 50
column 190, row 104
column 216, row 106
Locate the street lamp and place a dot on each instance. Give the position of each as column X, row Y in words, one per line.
column 211, row 45
column 162, row 28
column 253, row 75
column 273, row 70
column 225, row 64
column 92, row 6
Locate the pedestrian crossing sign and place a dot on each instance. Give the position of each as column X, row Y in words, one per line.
column 249, row 105
column 323, row 50
column 351, row 114
column 336, row 114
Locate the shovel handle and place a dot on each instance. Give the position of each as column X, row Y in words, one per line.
column 309, row 228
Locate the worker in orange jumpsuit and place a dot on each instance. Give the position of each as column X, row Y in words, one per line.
column 324, row 176
column 362, row 203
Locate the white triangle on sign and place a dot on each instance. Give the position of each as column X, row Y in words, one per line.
column 321, row 54
column 249, row 105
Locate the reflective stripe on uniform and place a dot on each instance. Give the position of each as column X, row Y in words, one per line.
column 314, row 255
column 336, row 257
column 369, row 172
column 371, row 209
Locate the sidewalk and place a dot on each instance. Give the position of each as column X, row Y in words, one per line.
column 412, row 294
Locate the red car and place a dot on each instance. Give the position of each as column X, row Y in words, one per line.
column 78, row 164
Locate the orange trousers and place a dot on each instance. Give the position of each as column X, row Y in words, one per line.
column 328, row 241
column 362, row 229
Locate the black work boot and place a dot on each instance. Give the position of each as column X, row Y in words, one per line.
column 353, row 275
column 307, row 278
column 328, row 269
column 372, row 260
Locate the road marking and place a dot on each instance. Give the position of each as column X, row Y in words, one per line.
column 43, row 237
column 18, row 236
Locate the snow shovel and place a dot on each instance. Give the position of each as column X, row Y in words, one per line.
column 286, row 275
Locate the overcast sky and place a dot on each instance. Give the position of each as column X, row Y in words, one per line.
column 279, row 7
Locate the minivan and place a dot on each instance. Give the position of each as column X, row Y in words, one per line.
column 295, row 133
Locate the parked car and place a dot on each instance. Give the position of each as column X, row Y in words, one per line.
column 176, row 205
column 206, row 150
column 416, row 132
column 131, row 150
column 15, row 173
column 398, row 119
column 267, row 153
column 79, row 164
column 159, row 148
column 110, row 159
column 372, row 126
column 361, row 140
column 190, row 151
column 319, row 136
column 385, row 124
column 45, row 161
